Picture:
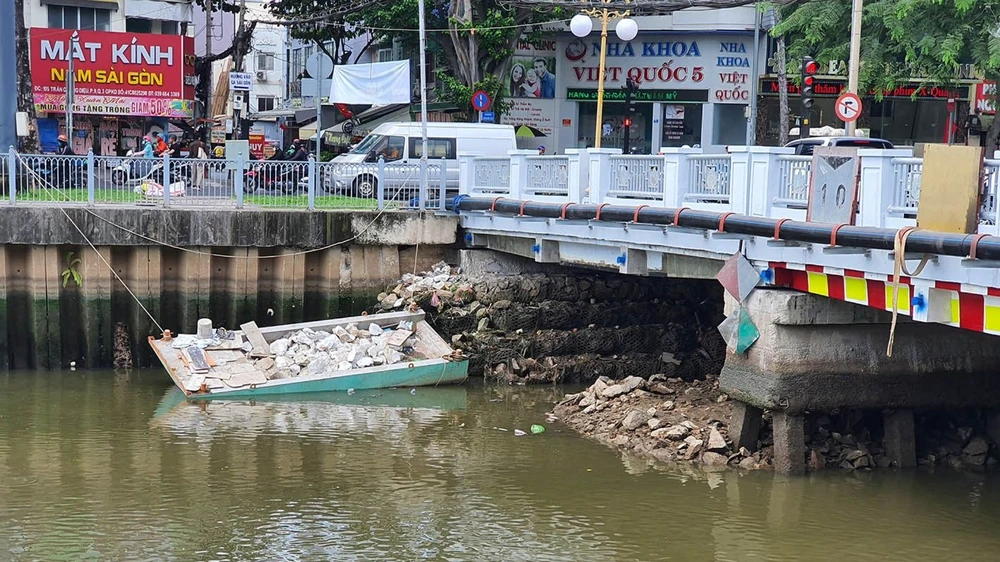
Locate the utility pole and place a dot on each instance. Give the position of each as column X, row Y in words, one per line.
column 423, row 103
column 238, row 61
column 630, row 88
column 71, row 87
column 852, row 70
column 209, row 118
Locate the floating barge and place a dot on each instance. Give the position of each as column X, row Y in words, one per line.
column 397, row 349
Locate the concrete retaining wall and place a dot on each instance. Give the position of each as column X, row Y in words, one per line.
column 271, row 267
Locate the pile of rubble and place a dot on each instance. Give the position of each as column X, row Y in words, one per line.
column 569, row 327
column 310, row 351
column 673, row 420
column 664, row 417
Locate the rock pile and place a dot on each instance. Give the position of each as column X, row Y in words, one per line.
column 312, row 352
column 574, row 327
column 664, row 417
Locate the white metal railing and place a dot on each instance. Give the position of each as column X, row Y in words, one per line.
column 906, row 176
column 636, row 177
column 991, row 181
column 491, row 174
column 709, row 178
column 793, row 180
column 547, row 175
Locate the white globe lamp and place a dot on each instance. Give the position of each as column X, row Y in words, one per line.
column 581, row 25
column 626, row 29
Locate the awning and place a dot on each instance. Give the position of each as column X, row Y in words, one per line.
column 370, row 119
column 307, row 133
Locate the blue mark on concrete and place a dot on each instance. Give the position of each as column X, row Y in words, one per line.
column 536, row 248
column 621, row 259
column 767, row 276
column 468, row 237
column 919, row 303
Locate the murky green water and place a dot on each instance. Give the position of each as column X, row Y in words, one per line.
column 98, row 466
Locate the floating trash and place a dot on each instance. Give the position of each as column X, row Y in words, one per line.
column 519, row 433
column 536, row 429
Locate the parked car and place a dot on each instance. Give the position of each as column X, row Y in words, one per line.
column 805, row 146
column 399, row 145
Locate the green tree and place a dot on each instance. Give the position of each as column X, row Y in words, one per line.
column 902, row 40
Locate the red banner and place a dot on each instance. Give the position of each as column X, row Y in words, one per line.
column 115, row 73
column 257, row 145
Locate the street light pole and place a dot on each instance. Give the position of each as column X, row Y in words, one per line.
column 71, row 87
column 852, row 70
column 581, row 25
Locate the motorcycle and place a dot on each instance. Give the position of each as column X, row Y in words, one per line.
column 61, row 172
column 135, row 169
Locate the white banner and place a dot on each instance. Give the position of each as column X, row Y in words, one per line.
column 377, row 83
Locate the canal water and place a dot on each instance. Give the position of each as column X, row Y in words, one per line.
column 105, row 466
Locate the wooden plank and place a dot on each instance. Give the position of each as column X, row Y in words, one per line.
column 246, row 379
column 949, row 188
column 256, row 339
column 389, row 319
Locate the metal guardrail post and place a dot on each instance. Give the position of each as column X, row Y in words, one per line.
column 422, row 190
column 90, row 177
column 166, row 180
column 12, row 174
column 444, row 184
column 311, row 188
column 239, row 180
column 380, row 185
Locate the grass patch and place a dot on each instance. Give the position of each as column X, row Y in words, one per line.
column 302, row 201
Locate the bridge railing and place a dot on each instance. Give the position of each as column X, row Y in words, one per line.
column 709, row 182
column 635, row 178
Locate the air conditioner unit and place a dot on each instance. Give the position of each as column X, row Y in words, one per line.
column 262, row 76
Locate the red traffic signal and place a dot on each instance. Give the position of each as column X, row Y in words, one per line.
column 810, row 67
column 628, row 121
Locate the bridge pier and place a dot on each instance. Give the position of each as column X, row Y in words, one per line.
column 817, row 354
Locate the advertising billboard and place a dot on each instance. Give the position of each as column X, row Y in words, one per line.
column 127, row 74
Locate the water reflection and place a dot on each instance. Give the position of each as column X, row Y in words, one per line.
column 104, row 468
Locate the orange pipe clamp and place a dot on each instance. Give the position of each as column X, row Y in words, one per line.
column 975, row 245
column 597, row 217
column 777, row 228
column 635, row 217
column 520, row 213
column 722, row 221
column 562, row 215
column 833, row 233
column 677, row 215
column 493, row 207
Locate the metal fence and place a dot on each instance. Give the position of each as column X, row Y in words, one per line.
column 636, row 177
column 223, row 183
column 709, row 178
column 991, row 183
column 907, row 173
column 547, row 175
column 793, row 178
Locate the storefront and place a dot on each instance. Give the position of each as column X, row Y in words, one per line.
column 125, row 85
column 694, row 90
column 904, row 116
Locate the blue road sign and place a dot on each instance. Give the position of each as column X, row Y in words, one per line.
column 481, row 100
column 488, row 117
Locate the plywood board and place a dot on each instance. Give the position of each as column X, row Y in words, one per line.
column 833, row 185
column 949, row 188
column 256, row 339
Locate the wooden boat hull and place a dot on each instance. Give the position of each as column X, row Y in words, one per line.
column 437, row 364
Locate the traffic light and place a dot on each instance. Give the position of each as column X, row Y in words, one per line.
column 809, row 68
column 630, row 88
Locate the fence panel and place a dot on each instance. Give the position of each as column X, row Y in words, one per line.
column 547, row 176
column 793, row 175
column 491, row 175
column 709, row 177
column 636, row 177
column 907, row 173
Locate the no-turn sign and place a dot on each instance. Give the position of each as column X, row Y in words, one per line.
column 848, row 107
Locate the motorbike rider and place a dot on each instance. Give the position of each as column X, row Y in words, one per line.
column 297, row 152
column 64, row 148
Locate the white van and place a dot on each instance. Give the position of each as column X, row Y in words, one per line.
column 399, row 145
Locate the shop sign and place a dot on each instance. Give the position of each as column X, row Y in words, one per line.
column 257, row 144
column 580, row 94
column 986, row 98
column 114, row 73
column 826, row 88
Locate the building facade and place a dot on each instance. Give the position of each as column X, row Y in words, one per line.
column 694, row 70
column 133, row 70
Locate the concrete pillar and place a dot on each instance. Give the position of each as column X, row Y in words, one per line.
column 744, row 427
column 900, row 439
column 789, row 443
column 877, row 184
column 676, row 175
column 600, row 172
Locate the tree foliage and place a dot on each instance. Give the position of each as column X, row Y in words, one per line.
column 928, row 40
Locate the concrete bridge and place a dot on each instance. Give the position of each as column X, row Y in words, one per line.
column 823, row 295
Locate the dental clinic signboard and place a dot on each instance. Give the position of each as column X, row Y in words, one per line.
column 717, row 67
column 126, row 74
